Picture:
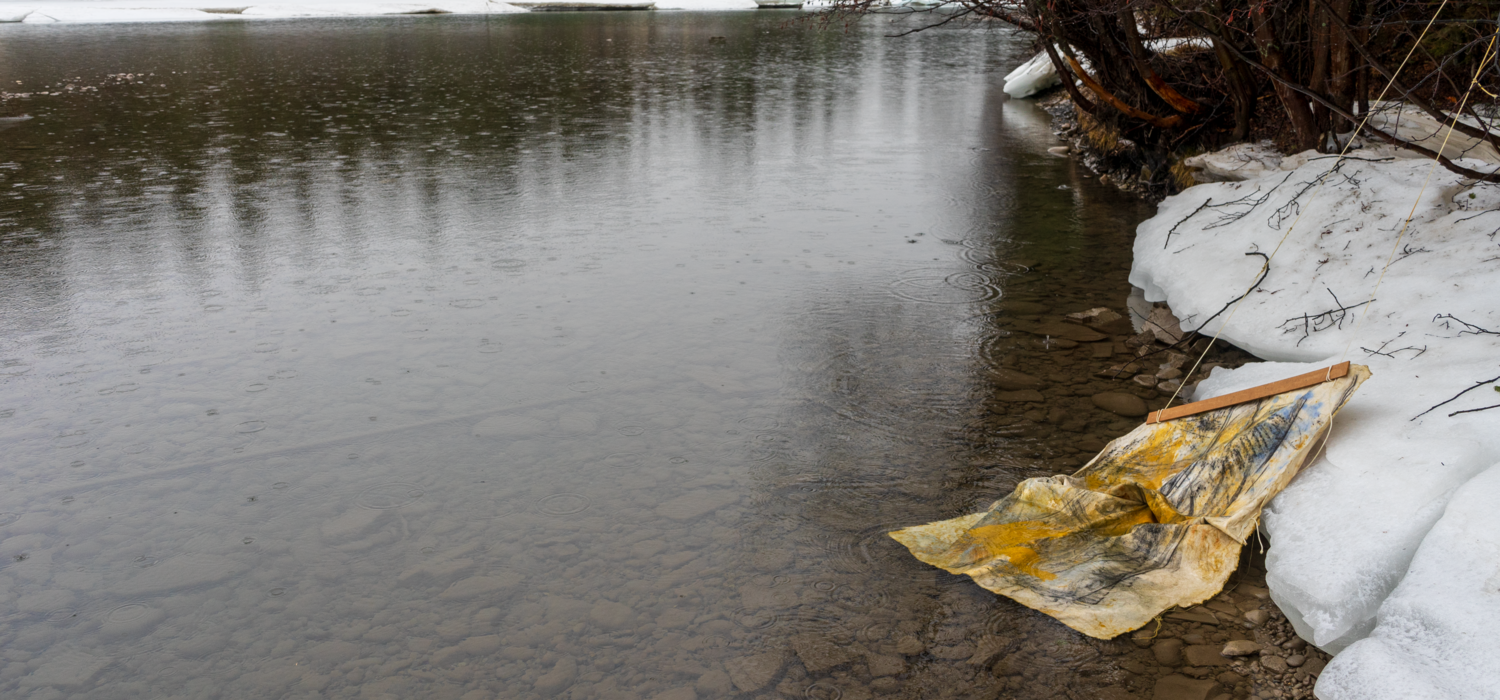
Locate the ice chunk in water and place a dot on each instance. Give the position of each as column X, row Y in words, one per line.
column 1032, row 77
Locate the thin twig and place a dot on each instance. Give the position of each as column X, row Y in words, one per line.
column 1470, row 328
column 1265, row 270
column 1332, row 318
column 1173, row 230
column 1473, row 410
column 1455, row 396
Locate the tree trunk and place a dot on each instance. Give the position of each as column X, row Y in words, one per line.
column 1304, row 127
column 1340, row 68
column 1317, row 80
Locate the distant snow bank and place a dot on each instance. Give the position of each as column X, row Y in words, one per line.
column 115, row 11
column 1386, row 550
column 1038, row 74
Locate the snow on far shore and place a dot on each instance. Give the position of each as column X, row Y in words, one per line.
column 120, row 11
column 132, row 11
column 1386, row 550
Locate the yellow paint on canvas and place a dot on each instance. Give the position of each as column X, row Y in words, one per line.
column 1155, row 520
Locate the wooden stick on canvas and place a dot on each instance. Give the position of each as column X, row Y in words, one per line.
column 1300, row 381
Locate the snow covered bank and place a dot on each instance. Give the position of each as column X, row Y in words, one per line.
column 110, row 11
column 1385, row 548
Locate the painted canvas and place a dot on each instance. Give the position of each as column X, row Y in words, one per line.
column 1156, row 520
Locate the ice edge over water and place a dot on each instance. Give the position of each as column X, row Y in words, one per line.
column 1381, row 550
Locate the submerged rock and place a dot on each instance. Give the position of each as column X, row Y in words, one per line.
column 1012, row 380
column 1240, row 647
column 1122, row 404
column 751, row 673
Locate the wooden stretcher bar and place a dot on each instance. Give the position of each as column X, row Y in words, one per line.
column 1300, row 381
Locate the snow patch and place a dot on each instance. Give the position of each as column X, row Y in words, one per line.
column 1359, row 539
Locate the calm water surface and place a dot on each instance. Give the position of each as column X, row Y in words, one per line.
column 541, row 356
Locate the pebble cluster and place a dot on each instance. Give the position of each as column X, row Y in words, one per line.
column 1235, row 645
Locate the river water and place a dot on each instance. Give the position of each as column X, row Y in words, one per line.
column 582, row 356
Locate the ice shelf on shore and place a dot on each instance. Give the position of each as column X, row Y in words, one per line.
column 111, row 11
column 1383, row 550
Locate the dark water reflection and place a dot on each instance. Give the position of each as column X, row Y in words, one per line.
column 539, row 356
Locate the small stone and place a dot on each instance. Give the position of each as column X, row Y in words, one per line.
column 1026, row 396
column 1296, row 660
column 558, row 679
column 1168, row 652
column 714, row 684
column 1069, row 331
column 751, row 673
column 1102, row 319
column 818, row 653
column 1229, row 679
column 1256, row 618
column 683, row 693
column 435, row 573
column 1296, row 644
column 1175, row 687
column 490, row 586
column 954, row 652
column 1274, row 664
column 1314, row 665
column 986, row 651
column 1012, row 380
column 1240, row 647
column 1255, row 592
column 1162, row 324
column 1196, row 613
column 1144, row 380
column 1118, row 403
column 1120, row 371
column 885, row 686
column 1059, row 150
column 1204, row 655
column 909, row 646
column 611, row 616
column 881, row 665
column 675, row 618
column 1172, row 373
column 335, row 652
column 1224, row 606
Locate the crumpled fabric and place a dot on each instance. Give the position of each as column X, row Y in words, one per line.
column 1156, row 520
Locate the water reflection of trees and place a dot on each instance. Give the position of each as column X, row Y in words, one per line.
column 237, row 143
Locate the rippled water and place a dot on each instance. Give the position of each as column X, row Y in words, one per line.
column 576, row 356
